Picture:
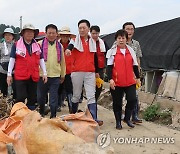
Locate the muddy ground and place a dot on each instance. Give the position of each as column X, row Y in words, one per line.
column 154, row 134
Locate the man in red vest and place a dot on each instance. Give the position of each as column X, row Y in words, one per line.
column 99, row 57
column 65, row 89
column 83, row 69
column 25, row 58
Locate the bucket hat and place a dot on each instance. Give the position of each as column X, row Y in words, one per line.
column 31, row 27
column 65, row 31
column 9, row 30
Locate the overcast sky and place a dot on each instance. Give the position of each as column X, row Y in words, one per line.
column 108, row 14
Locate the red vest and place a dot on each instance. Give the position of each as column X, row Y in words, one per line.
column 100, row 56
column 83, row 61
column 26, row 67
column 68, row 60
column 123, row 74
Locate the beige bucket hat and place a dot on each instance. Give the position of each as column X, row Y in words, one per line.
column 29, row 26
column 65, row 31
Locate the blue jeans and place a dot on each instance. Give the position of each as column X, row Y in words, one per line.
column 52, row 86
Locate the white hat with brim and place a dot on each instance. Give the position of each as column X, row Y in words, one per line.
column 9, row 30
column 65, row 31
column 31, row 27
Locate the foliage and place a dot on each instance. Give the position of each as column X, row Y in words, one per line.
column 165, row 117
column 152, row 112
column 155, row 114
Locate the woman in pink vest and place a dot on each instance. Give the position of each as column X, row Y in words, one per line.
column 25, row 58
column 123, row 75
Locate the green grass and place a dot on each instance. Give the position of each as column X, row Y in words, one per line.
column 155, row 114
column 151, row 113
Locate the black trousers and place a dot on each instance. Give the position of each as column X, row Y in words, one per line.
column 65, row 89
column 3, row 84
column 26, row 89
column 66, row 85
column 117, row 96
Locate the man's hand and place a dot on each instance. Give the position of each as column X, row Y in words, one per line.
column 9, row 80
column 44, row 78
column 112, row 84
column 67, row 52
column 62, row 79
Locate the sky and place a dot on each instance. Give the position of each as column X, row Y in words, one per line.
column 108, row 14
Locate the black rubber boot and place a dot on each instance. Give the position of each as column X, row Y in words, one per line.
column 127, row 118
column 135, row 111
column 69, row 97
column 46, row 109
column 42, row 109
column 75, row 107
column 53, row 112
column 93, row 110
column 118, row 120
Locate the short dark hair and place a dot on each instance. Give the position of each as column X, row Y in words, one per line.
column 121, row 32
column 51, row 26
column 84, row 21
column 95, row 27
column 128, row 23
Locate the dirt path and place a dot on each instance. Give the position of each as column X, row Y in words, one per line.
column 145, row 131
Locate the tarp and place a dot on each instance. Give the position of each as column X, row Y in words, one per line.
column 160, row 44
column 30, row 133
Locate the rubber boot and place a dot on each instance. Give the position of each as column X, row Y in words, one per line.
column 127, row 118
column 135, row 111
column 93, row 110
column 69, row 97
column 53, row 111
column 118, row 120
column 75, row 107
column 46, row 109
column 41, row 109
